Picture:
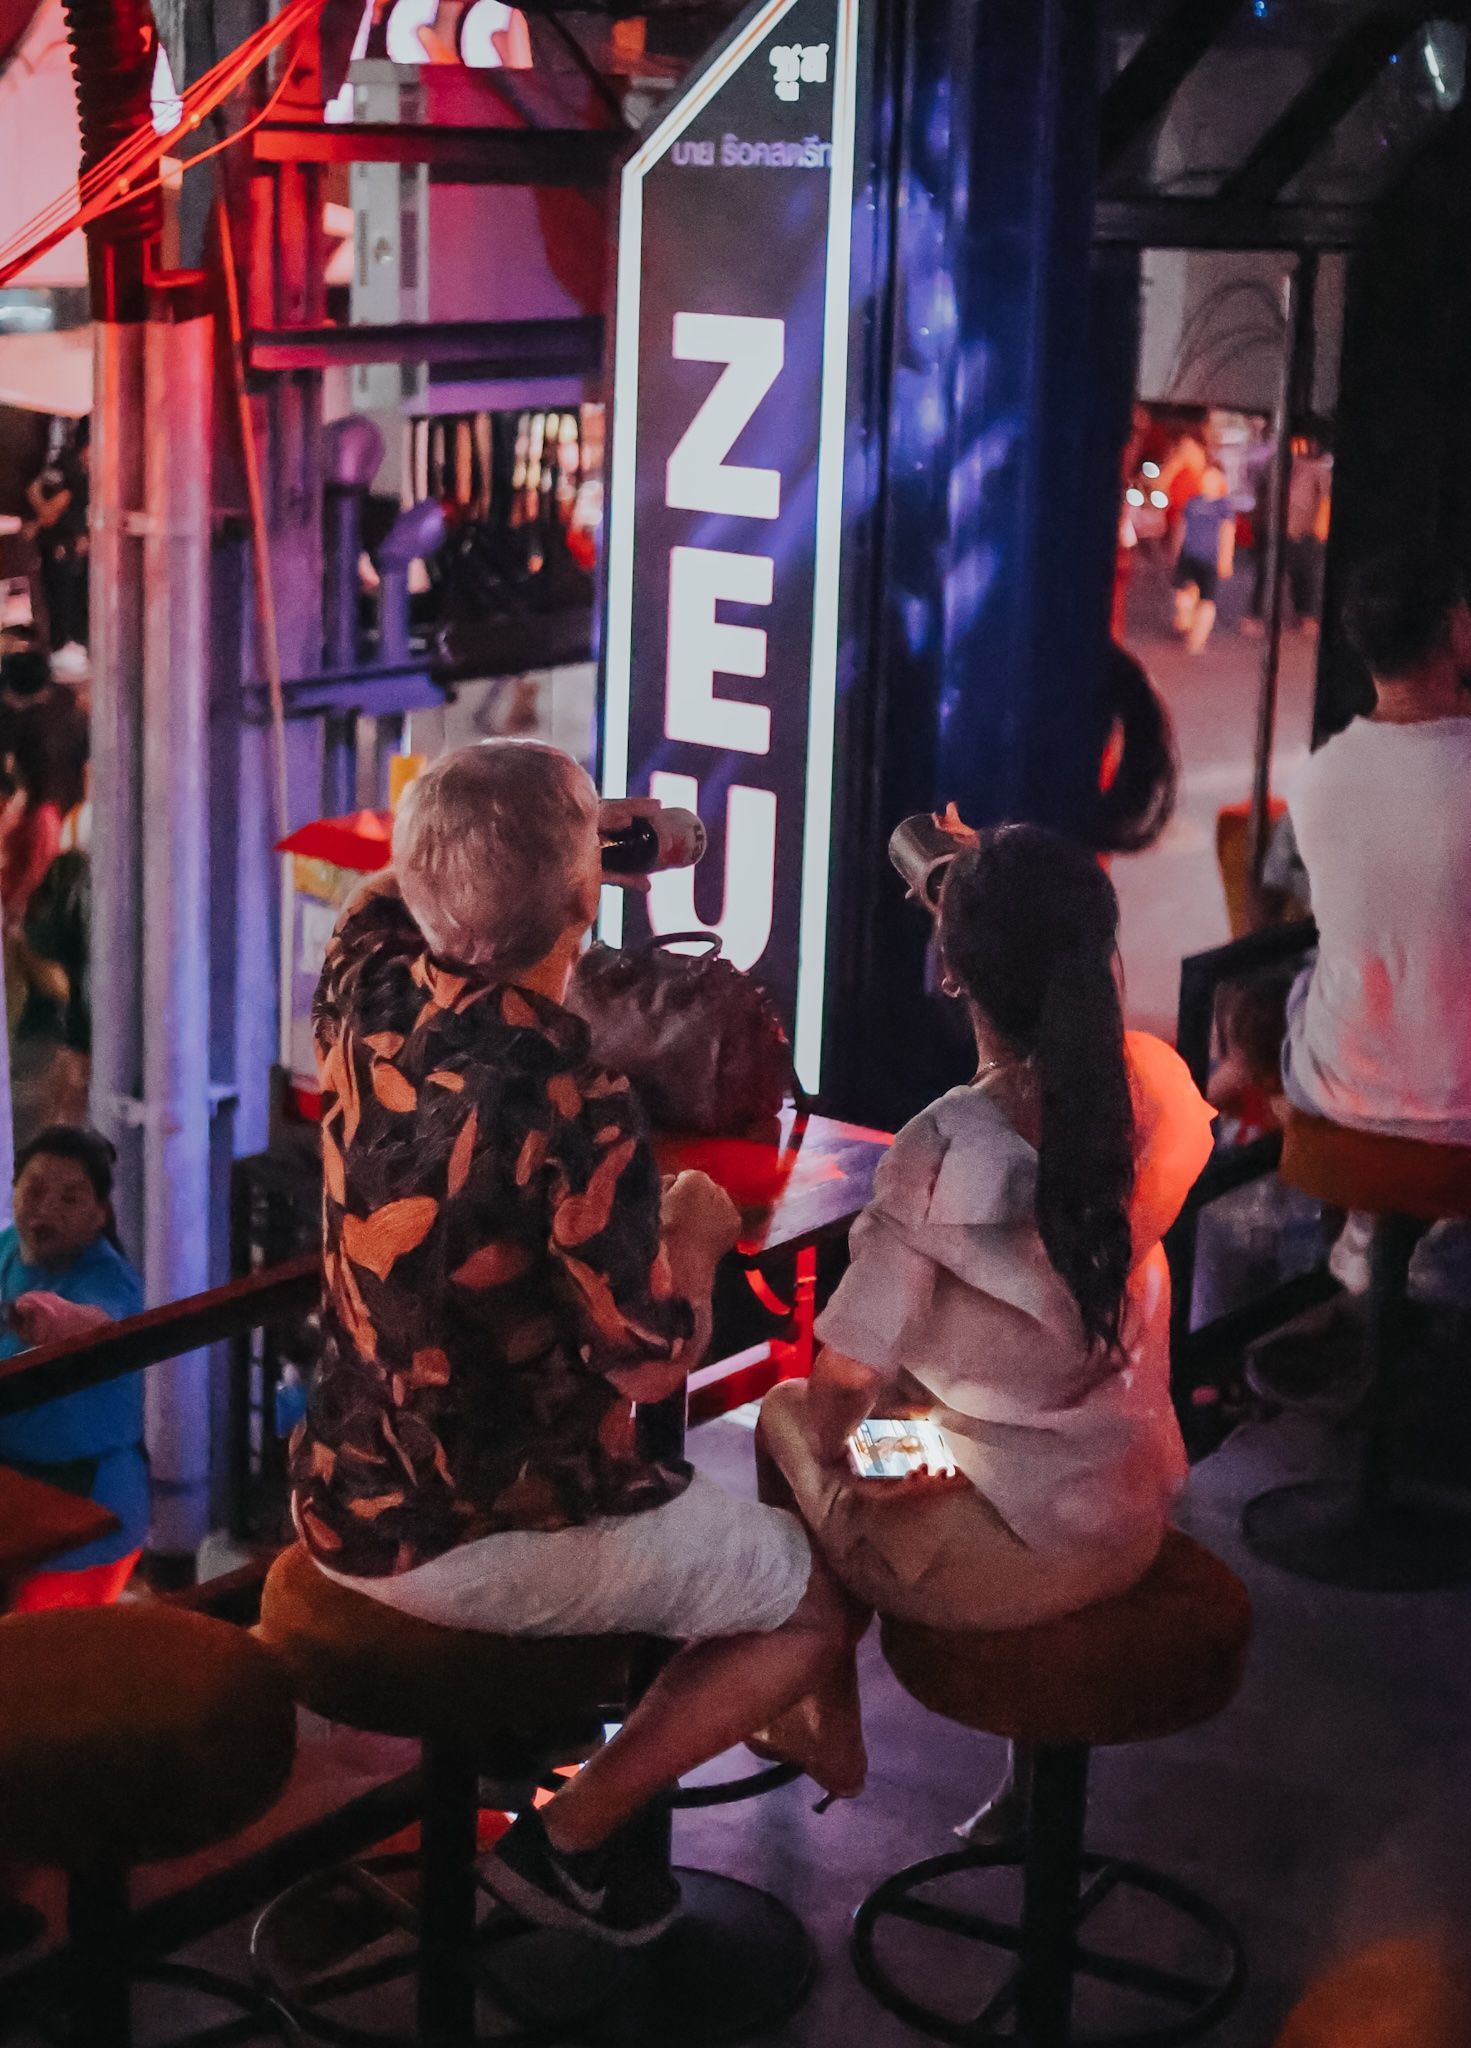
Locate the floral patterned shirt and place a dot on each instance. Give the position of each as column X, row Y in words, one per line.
column 492, row 1252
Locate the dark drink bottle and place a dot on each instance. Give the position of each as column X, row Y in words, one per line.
column 673, row 839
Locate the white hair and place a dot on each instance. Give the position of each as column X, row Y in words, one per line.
column 484, row 847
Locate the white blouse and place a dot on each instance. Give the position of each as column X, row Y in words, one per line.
column 950, row 1283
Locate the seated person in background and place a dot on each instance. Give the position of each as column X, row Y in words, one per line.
column 62, row 1274
column 1009, row 1281
column 504, row 1280
column 1377, row 1028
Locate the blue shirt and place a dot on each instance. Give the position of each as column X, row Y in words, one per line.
column 104, row 1422
column 1204, row 518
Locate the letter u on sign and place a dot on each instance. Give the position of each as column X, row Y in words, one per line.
column 744, row 923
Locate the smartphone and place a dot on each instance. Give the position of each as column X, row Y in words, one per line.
column 880, row 1449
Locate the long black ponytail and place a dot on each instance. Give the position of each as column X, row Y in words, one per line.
column 1029, row 927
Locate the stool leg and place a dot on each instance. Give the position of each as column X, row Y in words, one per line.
column 1395, row 1238
column 100, row 1992
column 447, row 1847
column 1054, row 1861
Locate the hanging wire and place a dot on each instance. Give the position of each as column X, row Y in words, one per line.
column 113, row 181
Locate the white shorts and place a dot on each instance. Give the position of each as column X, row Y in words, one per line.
column 703, row 1565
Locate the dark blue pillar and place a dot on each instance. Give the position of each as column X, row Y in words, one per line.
column 999, row 371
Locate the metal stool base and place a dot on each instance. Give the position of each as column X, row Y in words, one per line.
column 1323, row 1530
column 1198, row 2004
column 260, row 2017
column 735, row 1964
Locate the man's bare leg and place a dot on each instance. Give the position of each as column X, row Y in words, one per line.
column 709, row 1697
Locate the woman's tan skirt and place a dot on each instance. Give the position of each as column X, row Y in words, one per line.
column 950, row 1562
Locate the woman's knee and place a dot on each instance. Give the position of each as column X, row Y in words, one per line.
column 826, row 1607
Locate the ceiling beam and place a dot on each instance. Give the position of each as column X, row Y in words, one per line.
column 1141, row 92
column 1157, row 223
column 1306, row 123
column 486, row 348
column 469, row 156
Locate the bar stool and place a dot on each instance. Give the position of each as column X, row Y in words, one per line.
column 129, row 1735
column 505, row 1710
column 1364, row 1531
column 1161, row 1658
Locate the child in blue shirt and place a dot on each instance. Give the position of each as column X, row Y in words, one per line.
column 1207, row 554
column 61, row 1273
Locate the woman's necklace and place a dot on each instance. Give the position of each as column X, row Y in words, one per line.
column 989, row 1067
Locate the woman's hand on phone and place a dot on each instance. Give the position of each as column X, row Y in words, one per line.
column 914, row 1486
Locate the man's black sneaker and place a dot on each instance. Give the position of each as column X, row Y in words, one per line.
column 587, row 1891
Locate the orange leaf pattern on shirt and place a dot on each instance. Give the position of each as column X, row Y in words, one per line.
column 579, row 1217
column 461, row 1155
column 431, row 1369
column 492, row 1266
column 492, row 1255
column 564, row 1096
column 392, row 1090
column 333, row 1175
column 517, row 1011
column 376, row 1241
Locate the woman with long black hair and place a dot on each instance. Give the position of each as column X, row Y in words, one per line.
column 1008, row 1281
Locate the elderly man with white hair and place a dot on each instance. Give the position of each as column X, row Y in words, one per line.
column 505, row 1278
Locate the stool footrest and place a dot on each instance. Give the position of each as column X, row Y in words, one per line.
column 1197, row 2003
column 735, row 1965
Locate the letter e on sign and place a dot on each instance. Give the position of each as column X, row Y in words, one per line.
column 702, row 646
column 698, row 478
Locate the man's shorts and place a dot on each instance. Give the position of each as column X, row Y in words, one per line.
column 1203, row 574
column 705, row 1564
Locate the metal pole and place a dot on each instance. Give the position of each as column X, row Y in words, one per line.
column 176, row 1097
column 117, row 697
column 1297, row 367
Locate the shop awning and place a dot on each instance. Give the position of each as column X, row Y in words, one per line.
column 48, row 372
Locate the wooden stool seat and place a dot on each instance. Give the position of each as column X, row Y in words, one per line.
column 1158, row 1659
column 498, row 1699
column 1162, row 1657
column 130, row 1734
column 1351, row 1169
column 511, row 1710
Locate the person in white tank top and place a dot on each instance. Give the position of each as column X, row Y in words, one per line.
column 1377, row 1034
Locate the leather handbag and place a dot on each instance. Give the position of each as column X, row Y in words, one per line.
column 701, row 1042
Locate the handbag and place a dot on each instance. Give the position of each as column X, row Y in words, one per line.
column 701, row 1042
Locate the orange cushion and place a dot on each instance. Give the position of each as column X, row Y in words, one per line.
column 1162, row 1657
column 133, row 1733
column 357, row 1661
column 1386, row 1176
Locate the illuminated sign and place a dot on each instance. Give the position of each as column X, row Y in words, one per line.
column 724, row 527
column 491, row 36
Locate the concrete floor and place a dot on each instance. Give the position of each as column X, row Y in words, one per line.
column 1324, row 1811
column 1171, row 896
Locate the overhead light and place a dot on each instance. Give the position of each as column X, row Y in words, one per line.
column 1160, row 500
column 1134, row 497
column 1149, row 468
